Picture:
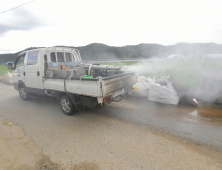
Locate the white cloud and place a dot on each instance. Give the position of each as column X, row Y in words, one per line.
column 20, row 19
column 117, row 23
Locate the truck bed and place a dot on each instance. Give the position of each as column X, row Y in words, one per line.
column 95, row 87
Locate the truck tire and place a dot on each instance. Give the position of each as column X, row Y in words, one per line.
column 67, row 105
column 23, row 93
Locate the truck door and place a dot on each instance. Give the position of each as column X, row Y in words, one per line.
column 32, row 72
column 19, row 69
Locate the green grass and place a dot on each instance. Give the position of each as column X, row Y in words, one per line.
column 3, row 70
column 187, row 73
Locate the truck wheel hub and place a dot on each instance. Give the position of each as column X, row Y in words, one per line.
column 23, row 93
column 66, row 105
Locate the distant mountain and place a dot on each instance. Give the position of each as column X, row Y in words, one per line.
column 11, row 56
column 97, row 51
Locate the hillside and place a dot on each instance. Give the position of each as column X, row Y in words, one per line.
column 97, row 51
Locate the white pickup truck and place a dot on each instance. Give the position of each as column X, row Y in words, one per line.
column 59, row 72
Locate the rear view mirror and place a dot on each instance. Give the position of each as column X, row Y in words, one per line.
column 10, row 66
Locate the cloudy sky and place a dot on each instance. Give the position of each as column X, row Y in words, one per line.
column 111, row 22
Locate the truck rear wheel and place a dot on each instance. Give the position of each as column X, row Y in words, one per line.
column 67, row 105
column 23, row 93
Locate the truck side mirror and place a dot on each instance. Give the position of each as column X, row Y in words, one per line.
column 10, row 66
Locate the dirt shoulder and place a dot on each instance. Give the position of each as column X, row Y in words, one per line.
column 18, row 152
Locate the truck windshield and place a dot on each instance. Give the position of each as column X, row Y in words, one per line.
column 20, row 61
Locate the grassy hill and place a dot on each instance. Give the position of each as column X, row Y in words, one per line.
column 97, row 51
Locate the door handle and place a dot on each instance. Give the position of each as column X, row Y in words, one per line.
column 24, row 73
column 38, row 73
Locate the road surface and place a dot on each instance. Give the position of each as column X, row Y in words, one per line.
column 131, row 134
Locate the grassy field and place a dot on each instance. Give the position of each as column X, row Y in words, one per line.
column 187, row 73
column 3, row 69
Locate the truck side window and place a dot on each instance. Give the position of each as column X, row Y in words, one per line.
column 53, row 57
column 33, row 58
column 68, row 57
column 60, row 56
column 45, row 58
column 73, row 58
column 20, row 61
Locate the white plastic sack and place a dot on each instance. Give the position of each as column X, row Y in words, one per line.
column 163, row 94
column 9, row 75
column 141, row 88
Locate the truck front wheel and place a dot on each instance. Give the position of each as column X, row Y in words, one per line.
column 23, row 93
column 67, row 105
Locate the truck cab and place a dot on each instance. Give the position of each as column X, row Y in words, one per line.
column 29, row 66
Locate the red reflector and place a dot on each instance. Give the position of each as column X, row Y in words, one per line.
column 107, row 99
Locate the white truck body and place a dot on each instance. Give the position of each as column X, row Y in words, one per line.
column 29, row 71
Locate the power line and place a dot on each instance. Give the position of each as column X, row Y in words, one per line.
column 17, row 7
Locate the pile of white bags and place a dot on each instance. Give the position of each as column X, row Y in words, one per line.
column 159, row 90
column 163, row 94
column 7, row 78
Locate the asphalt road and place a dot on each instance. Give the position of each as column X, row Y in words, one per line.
column 53, row 131
column 202, row 125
